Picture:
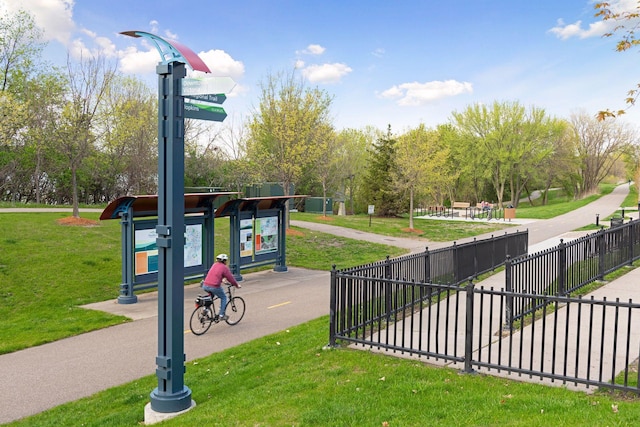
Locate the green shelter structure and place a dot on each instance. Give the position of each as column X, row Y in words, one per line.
column 257, row 232
column 257, row 236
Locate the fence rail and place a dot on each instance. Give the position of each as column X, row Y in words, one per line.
column 569, row 266
column 450, row 265
column 394, row 306
column 576, row 342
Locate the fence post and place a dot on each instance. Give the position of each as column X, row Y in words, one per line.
column 493, row 252
column 629, row 229
column 332, row 306
column 454, row 252
column 475, row 257
column 387, row 287
column 562, row 268
column 508, row 307
column 506, row 244
column 427, row 265
column 468, row 336
column 427, row 275
column 600, row 244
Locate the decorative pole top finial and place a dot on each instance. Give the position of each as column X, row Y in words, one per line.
column 171, row 50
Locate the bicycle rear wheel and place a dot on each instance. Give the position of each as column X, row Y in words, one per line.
column 235, row 310
column 200, row 323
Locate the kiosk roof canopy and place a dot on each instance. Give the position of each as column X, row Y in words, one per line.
column 252, row 203
column 148, row 205
column 193, row 203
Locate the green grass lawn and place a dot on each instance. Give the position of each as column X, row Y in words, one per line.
column 434, row 230
column 52, row 269
column 282, row 379
column 288, row 379
column 558, row 204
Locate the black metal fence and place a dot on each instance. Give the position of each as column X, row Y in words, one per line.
column 569, row 266
column 472, row 212
column 391, row 306
column 447, row 266
column 576, row 342
column 451, row 265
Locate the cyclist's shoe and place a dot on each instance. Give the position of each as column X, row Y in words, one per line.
column 225, row 317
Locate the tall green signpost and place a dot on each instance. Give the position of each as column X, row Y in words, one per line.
column 172, row 396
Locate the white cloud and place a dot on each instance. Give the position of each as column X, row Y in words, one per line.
column 171, row 35
column 379, row 52
column 154, row 26
column 416, row 94
column 598, row 28
column 312, row 49
column 595, row 29
column 326, row 73
column 55, row 17
column 222, row 64
column 134, row 61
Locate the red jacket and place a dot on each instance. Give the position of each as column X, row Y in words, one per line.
column 217, row 271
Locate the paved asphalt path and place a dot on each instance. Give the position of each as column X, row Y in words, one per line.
column 42, row 377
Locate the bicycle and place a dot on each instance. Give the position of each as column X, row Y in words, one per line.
column 205, row 314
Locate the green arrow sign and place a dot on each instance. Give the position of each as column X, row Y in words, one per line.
column 201, row 111
column 215, row 99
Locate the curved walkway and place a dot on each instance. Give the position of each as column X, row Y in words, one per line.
column 539, row 230
column 42, row 377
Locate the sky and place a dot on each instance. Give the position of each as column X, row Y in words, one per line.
column 398, row 63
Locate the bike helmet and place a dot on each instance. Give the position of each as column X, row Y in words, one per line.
column 222, row 257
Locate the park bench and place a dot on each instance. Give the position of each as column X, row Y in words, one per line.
column 459, row 206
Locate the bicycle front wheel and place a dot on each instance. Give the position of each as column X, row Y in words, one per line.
column 235, row 310
column 200, row 323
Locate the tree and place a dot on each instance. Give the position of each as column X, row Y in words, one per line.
column 238, row 170
column 327, row 166
column 532, row 148
column 600, row 144
column 420, row 161
column 354, row 146
column 378, row 186
column 510, row 141
column 45, row 99
column 129, row 127
column 286, row 132
column 626, row 23
column 89, row 80
column 20, row 47
column 561, row 167
column 30, row 103
column 490, row 131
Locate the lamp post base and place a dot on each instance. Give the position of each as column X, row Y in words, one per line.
column 154, row 417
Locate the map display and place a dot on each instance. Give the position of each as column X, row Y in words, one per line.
column 246, row 237
column 146, row 251
column 266, row 234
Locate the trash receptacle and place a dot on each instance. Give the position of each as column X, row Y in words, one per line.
column 509, row 213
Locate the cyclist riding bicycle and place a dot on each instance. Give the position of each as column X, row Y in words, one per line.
column 213, row 282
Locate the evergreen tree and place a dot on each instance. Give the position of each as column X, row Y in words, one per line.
column 378, row 187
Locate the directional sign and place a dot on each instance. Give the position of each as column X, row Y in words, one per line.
column 202, row 111
column 215, row 99
column 206, row 85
